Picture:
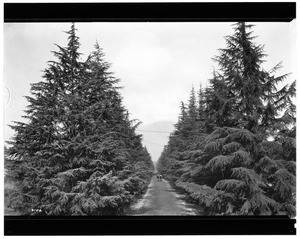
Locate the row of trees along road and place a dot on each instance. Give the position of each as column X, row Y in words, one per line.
column 80, row 153
column 233, row 149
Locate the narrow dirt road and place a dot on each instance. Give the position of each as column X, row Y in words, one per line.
column 161, row 199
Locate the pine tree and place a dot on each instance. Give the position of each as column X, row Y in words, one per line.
column 233, row 150
column 237, row 169
column 79, row 145
column 192, row 107
column 181, row 119
column 177, row 159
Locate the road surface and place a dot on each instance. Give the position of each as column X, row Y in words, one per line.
column 161, row 199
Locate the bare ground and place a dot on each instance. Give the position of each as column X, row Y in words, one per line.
column 162, row 199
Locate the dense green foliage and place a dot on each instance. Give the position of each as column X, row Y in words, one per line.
column 80, row 153
column 233, row 150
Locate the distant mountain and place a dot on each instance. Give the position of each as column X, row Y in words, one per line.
column 155, row 136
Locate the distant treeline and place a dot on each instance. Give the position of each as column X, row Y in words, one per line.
column 78, row 152
column 233, row 150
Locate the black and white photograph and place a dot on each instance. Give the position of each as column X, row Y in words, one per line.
column 146, row 118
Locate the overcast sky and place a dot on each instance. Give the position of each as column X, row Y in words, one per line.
column 157, row 63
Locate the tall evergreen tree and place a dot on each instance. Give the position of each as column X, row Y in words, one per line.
column 79, row 145
column 240, row 170
column 192, row 106
column 181, row 119
column 249, row 91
